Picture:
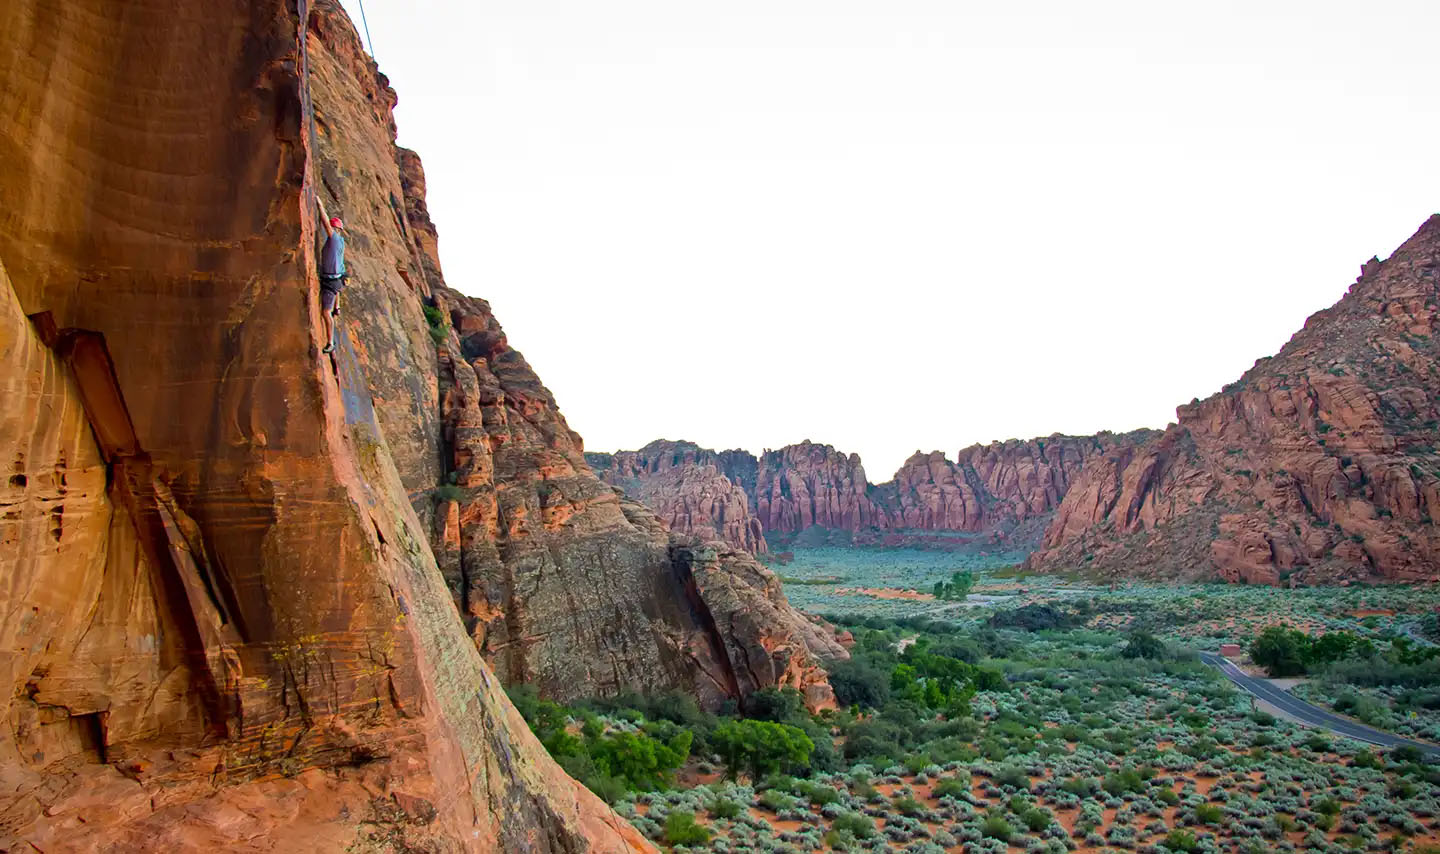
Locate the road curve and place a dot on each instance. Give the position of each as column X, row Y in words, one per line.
column 1311, row 715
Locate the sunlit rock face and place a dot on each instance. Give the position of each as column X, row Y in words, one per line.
column 225, row 621
column 1319, row 465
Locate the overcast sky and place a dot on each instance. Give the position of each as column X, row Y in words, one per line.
column 898, row 225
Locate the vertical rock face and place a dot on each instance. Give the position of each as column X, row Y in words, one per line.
column 989, row 488
column 221, row 597
column 994, row 484
column 559, row 582
column 683, row 485
column 1318, row 465
column 808, row 485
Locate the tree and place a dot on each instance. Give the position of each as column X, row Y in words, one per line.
column 1281, row 651
column 760, row 747
column 958, row 587
column 859, row 682
column 643, row 762
column 778, row 705
column 1331, row 646
column 1143, row 645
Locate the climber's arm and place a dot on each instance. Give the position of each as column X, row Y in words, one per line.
column 324, row 216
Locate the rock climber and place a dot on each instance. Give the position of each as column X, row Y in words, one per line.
column 332, row 273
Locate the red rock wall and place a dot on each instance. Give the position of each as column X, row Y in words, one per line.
column 559, row 582
column 807, row 485
column 1318, row 465
column 684, row 486
column 246, row 620
column 991, row 485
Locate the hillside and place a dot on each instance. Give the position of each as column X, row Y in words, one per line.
column 1318, row 465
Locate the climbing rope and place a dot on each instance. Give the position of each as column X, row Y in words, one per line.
column 366, row 24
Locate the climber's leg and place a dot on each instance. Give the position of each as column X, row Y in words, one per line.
column 327, row 307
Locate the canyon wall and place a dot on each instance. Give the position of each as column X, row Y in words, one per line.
column 233, row 564
column 991, row 485
column 1319, row 465
column 993, row 490
column 683, row 484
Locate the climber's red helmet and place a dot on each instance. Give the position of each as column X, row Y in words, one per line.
column 336, row 223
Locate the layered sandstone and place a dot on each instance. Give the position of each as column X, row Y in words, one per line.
column 684, row 486
column 563, row 583
column 1318, row 465
column 810, row 485
column 225, row 625
column 989, row 489
column 992, row 485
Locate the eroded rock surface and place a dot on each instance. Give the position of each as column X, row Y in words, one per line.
column 683, row 484
column 559, row 582
column 225, row 627
column 1318, row 465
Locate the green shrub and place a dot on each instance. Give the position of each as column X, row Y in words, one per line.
column 1181, row 840
column 906, row 805
column 777, row 801
column 448, row 492
column 952, row 786
column 855, row 824
column 724, row 808
column 1208, row 814
column 996, row 827
column 681, row 829
column 1036, row 819
column 1013, row 775
column 1143, row 645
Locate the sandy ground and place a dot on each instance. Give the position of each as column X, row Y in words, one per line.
column 885, row 593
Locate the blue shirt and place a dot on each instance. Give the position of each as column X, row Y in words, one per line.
column 332, row 257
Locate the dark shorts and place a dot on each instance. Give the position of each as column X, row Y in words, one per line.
column 329, row 291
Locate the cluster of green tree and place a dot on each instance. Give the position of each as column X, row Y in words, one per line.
column 1033, row 618
column 609, row 762
column 941, row 682
column 934, row 672
column 917, row 701
column 776, row 734
column 958, row 587
column 1290, row 652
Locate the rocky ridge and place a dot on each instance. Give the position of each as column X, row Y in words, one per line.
column 1318, row 465
column 683, row 484
column 992, row 489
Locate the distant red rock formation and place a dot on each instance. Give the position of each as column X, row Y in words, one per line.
column 1319, row 465
column 683, row 485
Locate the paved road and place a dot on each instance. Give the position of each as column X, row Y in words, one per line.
column 1308, row 714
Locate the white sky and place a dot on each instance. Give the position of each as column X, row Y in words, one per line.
column 897, row 224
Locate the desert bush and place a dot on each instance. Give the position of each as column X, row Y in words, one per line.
column 681, row 829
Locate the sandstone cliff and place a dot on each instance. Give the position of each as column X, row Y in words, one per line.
column 1005, row 490
column 682, row 483
column 991, row 486
column 559, row 582
column 1318, row 465
column 224, row 621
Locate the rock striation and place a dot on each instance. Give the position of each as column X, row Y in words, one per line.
column 1318, row 465
column 988, row 486
column 232, row 564
column 683, row 484
column 993, row 489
